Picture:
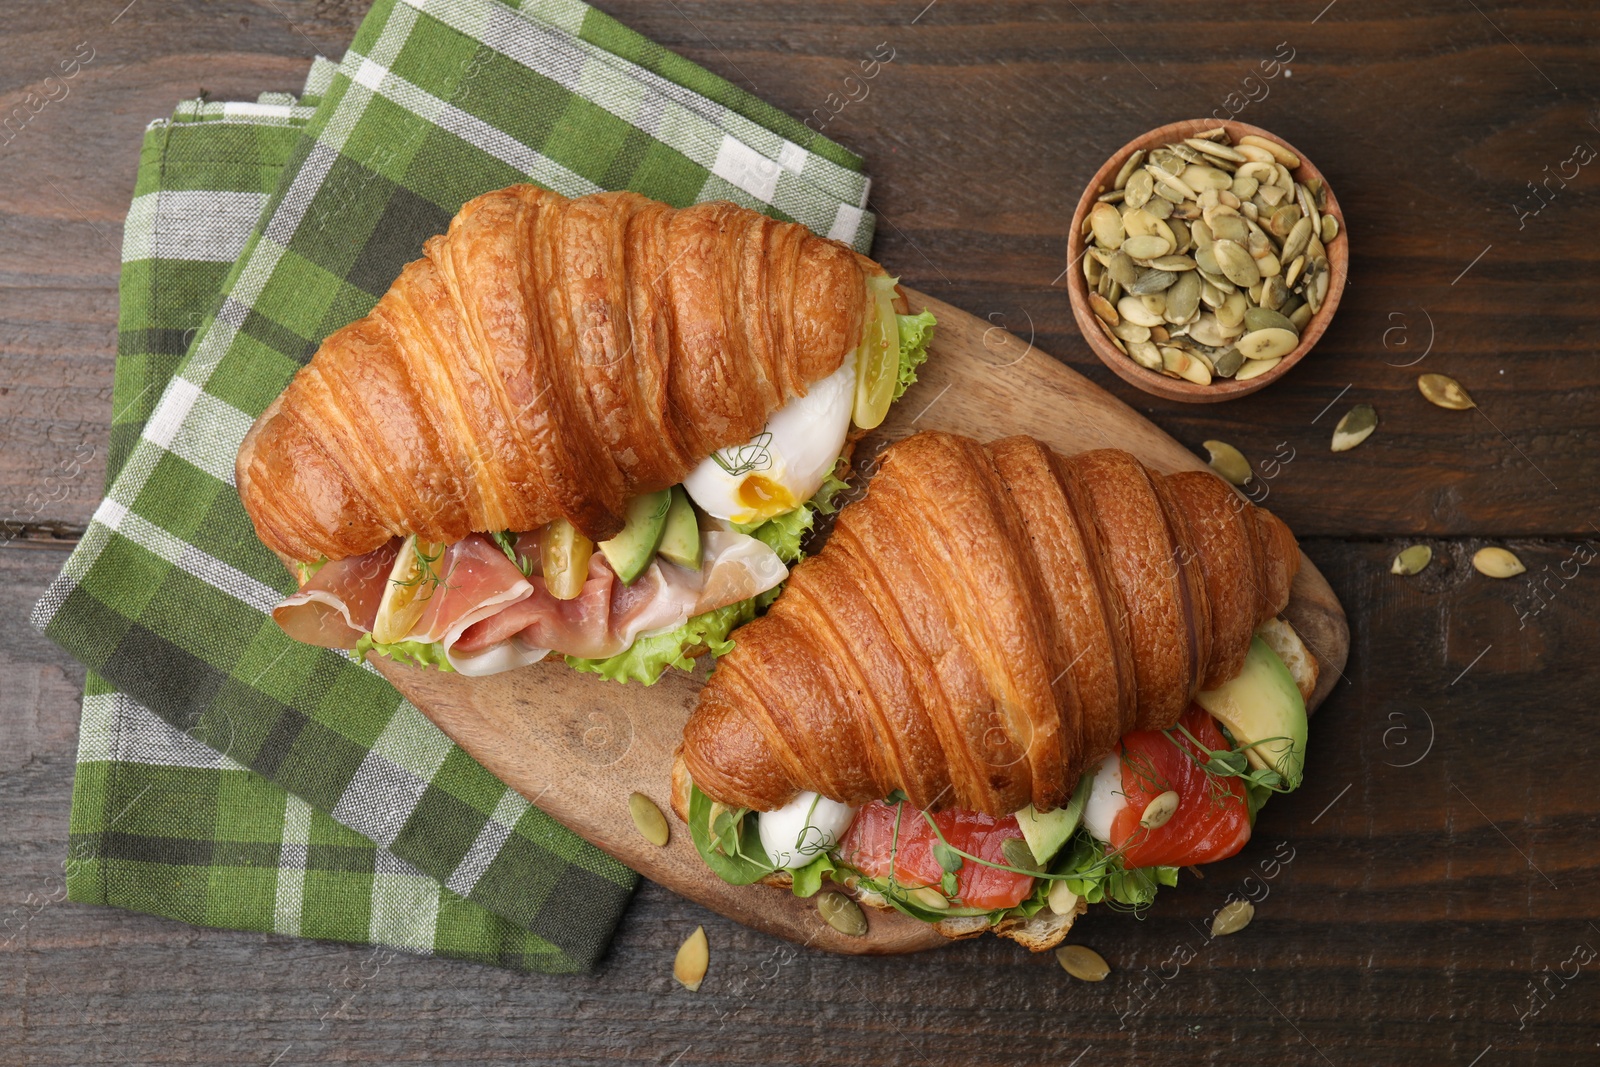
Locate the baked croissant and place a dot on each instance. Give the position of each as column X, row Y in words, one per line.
column 986, row 624
column 548, row 358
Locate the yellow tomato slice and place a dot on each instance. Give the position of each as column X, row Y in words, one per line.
column 878, row 358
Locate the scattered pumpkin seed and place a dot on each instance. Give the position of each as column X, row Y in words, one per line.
column 1496, row 562
column 1356, row 426
column 929, row 897
column 842, row 913
column 1159, row 810
column 1219, row 242
column 1228, row 462
column 1062, row 900
column 1083, row 963
column 694, row 956
column 1413, row 560
column 1232, row 917
column 647, row 819
column 1016, row 853
column 1444, row 391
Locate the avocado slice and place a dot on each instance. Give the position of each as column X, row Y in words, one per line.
column 1046, row 832
column 1262, row 702
column 631, row 551
column 680, row 542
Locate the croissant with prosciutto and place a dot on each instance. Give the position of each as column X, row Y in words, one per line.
column 1011, row 682
column 575, row 425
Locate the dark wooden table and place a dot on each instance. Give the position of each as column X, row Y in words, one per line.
column 1445, row 877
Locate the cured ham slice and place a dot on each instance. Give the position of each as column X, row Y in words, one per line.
column 476, row 582
column 338, row 605
column 490, row 617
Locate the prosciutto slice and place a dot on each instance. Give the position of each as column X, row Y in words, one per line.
column 340, row 602
column 490, row 617
column 607, row 617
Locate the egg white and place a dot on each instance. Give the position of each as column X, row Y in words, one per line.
column 1106, row 798
column 803, row 829
column 794, row 453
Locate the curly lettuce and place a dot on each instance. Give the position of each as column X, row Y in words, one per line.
column 916, row 332
column 648, row 658
column 416, row 653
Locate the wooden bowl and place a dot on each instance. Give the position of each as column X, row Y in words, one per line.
column 1176, row 388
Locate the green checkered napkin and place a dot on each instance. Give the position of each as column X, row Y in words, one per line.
column 166, row 597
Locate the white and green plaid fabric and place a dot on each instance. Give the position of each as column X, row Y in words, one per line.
column 229, row 776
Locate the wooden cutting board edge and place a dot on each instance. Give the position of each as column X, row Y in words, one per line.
column 577, row 745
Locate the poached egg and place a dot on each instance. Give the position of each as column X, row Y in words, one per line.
column 784, row 465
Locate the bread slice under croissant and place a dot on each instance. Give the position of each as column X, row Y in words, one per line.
column 548, row 358
column 987, row 622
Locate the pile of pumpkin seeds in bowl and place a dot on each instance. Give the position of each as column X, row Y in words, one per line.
column 1207, row 259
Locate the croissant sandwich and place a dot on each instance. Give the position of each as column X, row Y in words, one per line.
column 597, row 427
column 1011, row 684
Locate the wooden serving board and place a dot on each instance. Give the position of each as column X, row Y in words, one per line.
column 578, row 745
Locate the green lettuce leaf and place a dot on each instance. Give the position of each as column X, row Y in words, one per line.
column 649, row 657
column 783, row 533
column 416, row 653
column 808, row 879
column 916, row 331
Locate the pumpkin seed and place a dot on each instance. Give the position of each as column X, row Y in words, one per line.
column 1147, row 246
column 1200, row 177
column 1108, row 226
column 1128, row 330
column 1255, row 368
column 1139, row 188
column 1173, row 182
column 1228, row 462
column 1277, row 151
column 1228, row 228
column 1296, row 242
column 1255, row 153
column 1152, row 280
column 647, row 819
column 1173, row 263
column 1210, row 295
column 1194, row 370
column 694, row 956
column 1283, row 219
column 1330, row 229
column 1121, row 267
column 1232, row 917
column 1183, row 299
column 1016, row 853
column 1413, row 560
column 1145, row 354
column 1445, row 392
column 1266, row 319
column 1495, row 562
column 1160, row 207
column 1129, row 165
column 1159, row 810
column 1132, row 309
column 1083, row 963
column 1356, row 426
column 1269, row 343
column 1236, row 262
column 842, row 913
column 1113, row 197
column 929, row 898
column 1295, row 268
column 1062, row 900
column 1214, row 149
column 1102, row 307
column 1228, row 363
column 1301, row 316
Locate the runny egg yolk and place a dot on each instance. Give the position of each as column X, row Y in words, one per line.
column 763, row 498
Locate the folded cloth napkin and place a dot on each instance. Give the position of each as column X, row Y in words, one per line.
column 166, row 598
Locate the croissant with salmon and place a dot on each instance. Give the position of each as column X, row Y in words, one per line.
column 563, row 426
column 1000, row 642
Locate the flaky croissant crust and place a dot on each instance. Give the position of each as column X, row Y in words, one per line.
column 548, row 357
column 984, row 625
